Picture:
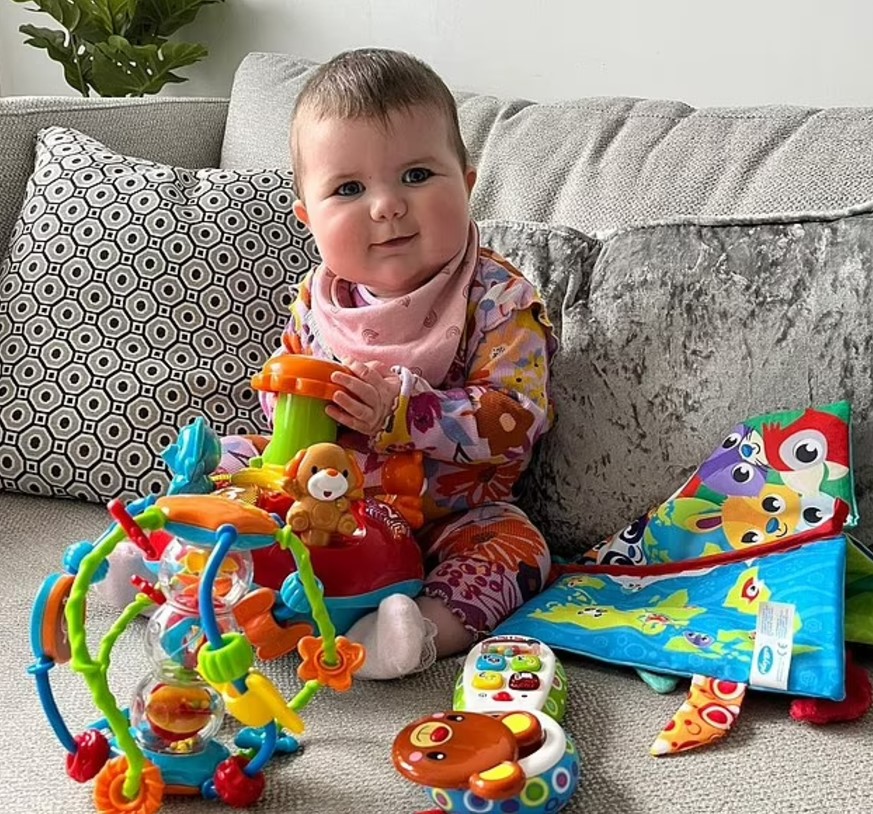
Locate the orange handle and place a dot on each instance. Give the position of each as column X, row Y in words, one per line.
column 298, row 375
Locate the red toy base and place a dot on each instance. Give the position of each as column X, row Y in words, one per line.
column 384, row 554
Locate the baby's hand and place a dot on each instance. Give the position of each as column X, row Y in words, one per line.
column 367, row 398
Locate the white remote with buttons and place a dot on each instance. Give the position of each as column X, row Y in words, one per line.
column 503, row 673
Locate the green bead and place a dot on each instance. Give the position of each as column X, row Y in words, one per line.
column 229, row 662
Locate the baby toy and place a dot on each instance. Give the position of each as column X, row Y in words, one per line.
column 201, row 663
column 324, row 479
column 501, row 749
column 371, row 552
column 201, row 641
column 744, row 579
column 508, row 672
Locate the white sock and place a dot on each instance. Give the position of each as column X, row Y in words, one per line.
column 398, row 639
column 125, row 561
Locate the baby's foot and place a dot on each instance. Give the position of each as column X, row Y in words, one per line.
column 398, row 639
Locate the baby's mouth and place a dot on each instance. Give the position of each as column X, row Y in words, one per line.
column 395, row 242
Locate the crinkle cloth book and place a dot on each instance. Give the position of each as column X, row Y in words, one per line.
column 678, row 590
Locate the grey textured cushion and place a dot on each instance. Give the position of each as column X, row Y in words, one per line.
column 604, row 163
column 184, row 132
column 675, row 333
column 265, row 143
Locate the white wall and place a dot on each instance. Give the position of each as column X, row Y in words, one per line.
column 705, row 52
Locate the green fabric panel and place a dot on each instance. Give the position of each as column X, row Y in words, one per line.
column 859, row 593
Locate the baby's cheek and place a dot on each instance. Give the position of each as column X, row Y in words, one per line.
column 335, row 230
column 454, row 216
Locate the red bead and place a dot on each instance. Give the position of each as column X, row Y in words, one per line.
column 234, row 786
column 92, row 751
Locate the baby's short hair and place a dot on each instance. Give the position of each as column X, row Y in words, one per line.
column 374, row 83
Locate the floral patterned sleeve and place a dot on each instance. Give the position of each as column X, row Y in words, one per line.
column 291, row 341
column 502, row 409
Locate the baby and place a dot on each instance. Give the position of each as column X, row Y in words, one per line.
column 448, row 346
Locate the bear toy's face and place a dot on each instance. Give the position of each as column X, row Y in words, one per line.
column 445, row 749
column 326, row 472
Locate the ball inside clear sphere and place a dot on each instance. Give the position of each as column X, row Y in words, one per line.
column 181, row 569
column 175, row 717
column 173, row 638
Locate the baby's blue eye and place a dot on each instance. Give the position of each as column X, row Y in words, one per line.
column 417, row 175
column 350, row 188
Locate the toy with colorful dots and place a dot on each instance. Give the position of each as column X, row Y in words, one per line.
column 502, row 748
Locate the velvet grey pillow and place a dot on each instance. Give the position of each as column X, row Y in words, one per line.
column 676, row 332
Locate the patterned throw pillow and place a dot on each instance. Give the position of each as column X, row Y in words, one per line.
column 135, row 297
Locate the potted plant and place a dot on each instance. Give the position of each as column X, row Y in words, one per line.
column 117, row 47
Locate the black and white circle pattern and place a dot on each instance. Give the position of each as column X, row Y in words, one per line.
column 134, row 298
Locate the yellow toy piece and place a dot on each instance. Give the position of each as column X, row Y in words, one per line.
column 269, row 477
column 260, row 704
column 488, row 680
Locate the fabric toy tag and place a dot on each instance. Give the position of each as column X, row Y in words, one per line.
column 774, row 637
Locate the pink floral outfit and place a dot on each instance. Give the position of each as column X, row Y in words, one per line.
column 476, row 428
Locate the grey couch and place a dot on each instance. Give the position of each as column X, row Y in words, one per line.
column 594, row 165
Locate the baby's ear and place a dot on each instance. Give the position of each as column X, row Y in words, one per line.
column 292, row 468
column 300, row 212
column 470, row 179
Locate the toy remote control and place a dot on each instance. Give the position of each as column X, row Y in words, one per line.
column 502, row 673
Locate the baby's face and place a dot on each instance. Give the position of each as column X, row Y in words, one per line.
column 388, row 206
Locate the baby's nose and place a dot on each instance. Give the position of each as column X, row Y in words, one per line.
column 388, row 205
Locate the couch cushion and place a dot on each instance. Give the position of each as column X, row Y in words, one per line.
column 604, row 163
column 679, row 331
column 345, row 767
column 135, row 297
column 146, row 127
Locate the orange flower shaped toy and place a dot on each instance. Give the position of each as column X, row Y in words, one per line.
column 349, row 659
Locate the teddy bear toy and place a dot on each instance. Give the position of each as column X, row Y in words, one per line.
column 324, row 480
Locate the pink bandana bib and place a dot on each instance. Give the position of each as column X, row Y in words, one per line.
column 420, row 331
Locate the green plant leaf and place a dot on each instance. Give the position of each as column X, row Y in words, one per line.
column 121, row 12
column 97, row 10
column 161, row 18
column 87, row 19
column 117, row 47
column 60, row 48
column 122, row 69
